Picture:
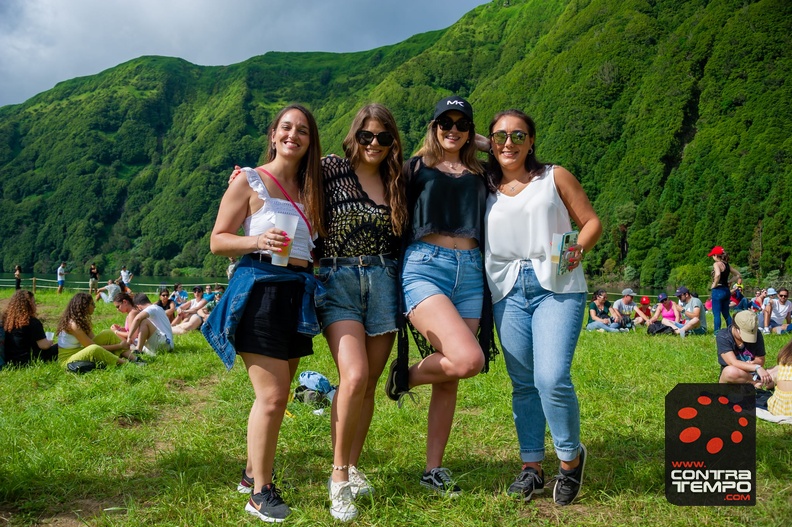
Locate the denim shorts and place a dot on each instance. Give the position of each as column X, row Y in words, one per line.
column 432, row 270
column 362, row 294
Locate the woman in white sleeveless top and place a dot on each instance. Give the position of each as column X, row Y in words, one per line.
column 538, row 313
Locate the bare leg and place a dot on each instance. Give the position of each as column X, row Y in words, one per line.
column 293, row 364
column 379, row 349
column 271, row 381
column 458, row 356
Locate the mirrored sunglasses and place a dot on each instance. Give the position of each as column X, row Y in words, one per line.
column 517, row 137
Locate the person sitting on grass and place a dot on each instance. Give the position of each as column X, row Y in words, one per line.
column 126, row 305
column 109, row 292
column 692, row 314
column 758, row 301
column 188, row 309
column 780, row 403
column 643, row 312
column 77, row 342
column 179, row 295
column 600, row 313
column 25, row 340
column 741, row 352
column 155, row 332
column 667, row 312
column 778, row 312
column 166, row 302
column 624, row 309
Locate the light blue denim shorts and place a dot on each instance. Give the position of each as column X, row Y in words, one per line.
column 432, row 270
column 364, row 294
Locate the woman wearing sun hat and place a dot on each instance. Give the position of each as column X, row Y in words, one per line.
column 721, row 288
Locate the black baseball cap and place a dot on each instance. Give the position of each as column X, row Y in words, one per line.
column 454, row 102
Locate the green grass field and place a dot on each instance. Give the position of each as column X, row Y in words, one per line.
column 164, row 444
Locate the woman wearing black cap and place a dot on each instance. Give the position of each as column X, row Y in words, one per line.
column 442, row 277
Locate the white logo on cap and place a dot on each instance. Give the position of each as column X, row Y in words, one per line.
column 452, row 103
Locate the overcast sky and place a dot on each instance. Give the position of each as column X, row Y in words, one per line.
column 43, row 42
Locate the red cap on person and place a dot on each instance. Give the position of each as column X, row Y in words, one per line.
column 645, row 300
column 716, row 251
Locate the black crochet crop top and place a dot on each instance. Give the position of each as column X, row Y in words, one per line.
column 356, row 226
column 447, row 204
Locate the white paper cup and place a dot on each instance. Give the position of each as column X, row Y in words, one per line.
column 287, row 223
column 50, row 335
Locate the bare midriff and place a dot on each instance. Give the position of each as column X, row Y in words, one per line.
column 451, row 242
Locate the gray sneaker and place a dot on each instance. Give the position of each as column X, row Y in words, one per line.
column 568, row 483
column 439, row 480
column 528, row 483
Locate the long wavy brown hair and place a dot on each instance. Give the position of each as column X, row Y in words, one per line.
column 20, row 309
column 391, row 168
column 78, row 312
column 432, row 151
column 309, row 174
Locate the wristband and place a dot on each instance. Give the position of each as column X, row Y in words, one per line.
column 757, row 369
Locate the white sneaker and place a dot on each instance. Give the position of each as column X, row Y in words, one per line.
column 359, row 483
column 682, row 333
column 765, row 331
column 342, row 507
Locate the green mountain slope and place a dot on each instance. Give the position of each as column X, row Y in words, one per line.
column 673, row 114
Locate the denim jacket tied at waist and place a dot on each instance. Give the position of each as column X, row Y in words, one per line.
column 220, row 327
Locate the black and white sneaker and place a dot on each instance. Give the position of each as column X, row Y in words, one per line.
column 268, row 505
column 439, row 480
column 246, row 485
column 528, row 483
column 568, row 482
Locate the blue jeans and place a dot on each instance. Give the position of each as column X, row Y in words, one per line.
column 538, row 332
column 720, row 306
column 613, row 327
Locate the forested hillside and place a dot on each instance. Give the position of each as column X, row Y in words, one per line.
column 674, row 114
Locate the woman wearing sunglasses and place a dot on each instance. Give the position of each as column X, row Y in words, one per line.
column 365, row 214
column 538, row 312
column 442, row 276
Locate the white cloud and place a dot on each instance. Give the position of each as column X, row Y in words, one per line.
column 43, row 42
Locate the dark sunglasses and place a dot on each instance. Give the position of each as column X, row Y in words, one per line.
column 365, row 138
column 517, row 137
column 783, row 296
column 446, row 123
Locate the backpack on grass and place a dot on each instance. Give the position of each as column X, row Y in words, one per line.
column 658, row 328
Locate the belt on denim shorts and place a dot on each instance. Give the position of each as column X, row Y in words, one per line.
column 355, row 261
column 261, row 257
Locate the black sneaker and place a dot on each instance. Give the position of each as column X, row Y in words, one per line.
column 439, row 480
column 268, row 505
column 568, row 483
column 528, row 483
column 246, row 485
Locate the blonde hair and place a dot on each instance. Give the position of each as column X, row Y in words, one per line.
column 431, row 151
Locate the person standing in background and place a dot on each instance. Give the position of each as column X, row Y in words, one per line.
column 61, row 277
column 93, row 279
column 18, row 277
column 721, row 290
column 125, row 278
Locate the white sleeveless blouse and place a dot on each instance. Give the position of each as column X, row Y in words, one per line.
column 521, row 227
column 264, row 218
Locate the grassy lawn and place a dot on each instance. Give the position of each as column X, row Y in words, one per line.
column 164, row 444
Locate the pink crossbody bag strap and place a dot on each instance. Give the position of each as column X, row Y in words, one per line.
column 305, row 219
